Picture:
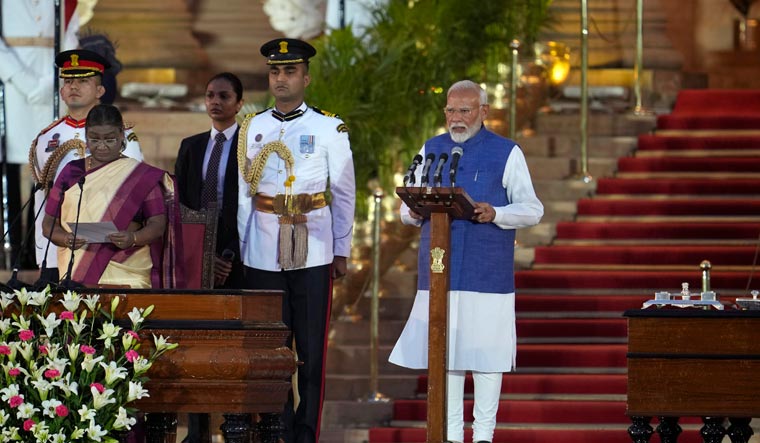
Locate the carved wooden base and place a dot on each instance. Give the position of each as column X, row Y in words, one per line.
column 269, row 428
column 740, row 430
column 668, row 429
column 640, row 429
column 236, row 428
column 161, row 428
column 713, row 430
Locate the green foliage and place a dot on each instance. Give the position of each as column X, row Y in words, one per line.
column 389, row 85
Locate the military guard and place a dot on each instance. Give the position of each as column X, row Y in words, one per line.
column 295, row 217
column 64, row 140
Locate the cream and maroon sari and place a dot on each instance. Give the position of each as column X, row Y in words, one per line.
column 122, row 191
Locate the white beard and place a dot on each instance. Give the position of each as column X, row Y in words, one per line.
column 461, row 137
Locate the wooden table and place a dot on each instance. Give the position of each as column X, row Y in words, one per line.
column 232, row 358
column 693, row 363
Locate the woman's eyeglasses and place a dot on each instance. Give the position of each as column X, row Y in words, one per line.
column 109, row 142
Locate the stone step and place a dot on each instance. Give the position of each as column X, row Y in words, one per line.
column 337, row 415
column 562, row 190
column 356, row 387
column 598, row 124
column 570, row 146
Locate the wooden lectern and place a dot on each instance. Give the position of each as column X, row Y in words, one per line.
column 441, row 206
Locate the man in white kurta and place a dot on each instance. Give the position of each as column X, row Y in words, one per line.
column 481, row 318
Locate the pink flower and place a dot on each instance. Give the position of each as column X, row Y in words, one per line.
column 14, row 372
column 61, row 411
column 67, row 315
column 28, row 424
column 133, row 334
column 25, row 334
column 43, row 350
column 5, row 350
column 52, row 373
column 87, row 349
column 132, row 355
column 98, row 387
column 16, row 401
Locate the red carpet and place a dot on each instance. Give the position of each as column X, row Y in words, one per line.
column 635, row 207
column 652, row 142
column 688, row 164
column 718, row 255
column 690, row 186
column 644, row 231
column 624, row 230
column 713, row 109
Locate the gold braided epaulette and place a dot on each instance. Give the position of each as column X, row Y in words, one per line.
column 47, row 175
column 325, row 113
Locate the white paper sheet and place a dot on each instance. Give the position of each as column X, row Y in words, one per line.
column 94, row 232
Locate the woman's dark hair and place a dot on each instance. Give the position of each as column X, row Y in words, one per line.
column 101, row 115
column 237, row 85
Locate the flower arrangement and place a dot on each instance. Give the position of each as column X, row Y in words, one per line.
column 68, row 371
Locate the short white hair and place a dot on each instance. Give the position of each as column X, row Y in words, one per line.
column 469, row 85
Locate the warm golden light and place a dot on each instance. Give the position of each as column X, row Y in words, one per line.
column 555, row 57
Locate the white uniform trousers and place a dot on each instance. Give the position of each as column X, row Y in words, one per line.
column 487, row 394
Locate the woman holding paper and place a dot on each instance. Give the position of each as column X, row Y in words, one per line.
column 109, row 188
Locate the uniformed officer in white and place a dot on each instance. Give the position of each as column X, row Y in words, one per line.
column 63, row 141
column 295, row 217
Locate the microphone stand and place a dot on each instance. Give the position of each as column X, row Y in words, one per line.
column 42, row 282
column 68, row 283
column 14, row 282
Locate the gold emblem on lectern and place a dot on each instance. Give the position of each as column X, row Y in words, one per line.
column 437, row 266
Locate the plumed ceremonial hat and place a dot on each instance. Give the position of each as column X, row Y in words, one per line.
column 78, row 63
column 287, row 51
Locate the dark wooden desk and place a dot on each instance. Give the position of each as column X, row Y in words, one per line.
column 232, row 357
column 693, row 363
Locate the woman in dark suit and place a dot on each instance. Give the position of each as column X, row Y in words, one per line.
column 214, row 151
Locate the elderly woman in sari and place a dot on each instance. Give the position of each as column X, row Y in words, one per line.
column 136, row 197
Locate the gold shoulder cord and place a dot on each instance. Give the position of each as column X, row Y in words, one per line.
column 252, row 175
column 47, row 175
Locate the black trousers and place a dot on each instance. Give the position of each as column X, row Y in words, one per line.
column 306, row 312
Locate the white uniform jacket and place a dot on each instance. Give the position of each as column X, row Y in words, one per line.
column 322, row 157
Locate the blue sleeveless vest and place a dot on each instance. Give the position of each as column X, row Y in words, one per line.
column 482, row 254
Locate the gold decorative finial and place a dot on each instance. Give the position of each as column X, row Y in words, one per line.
column 283, row 47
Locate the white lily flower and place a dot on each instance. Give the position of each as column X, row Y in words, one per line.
column 26, row 350
column 136, row 391
column 49, row 323
column 109, row 332
column 58, row 363
column 41, row 431
column 13, row 346
column 141, row 365
column 43, row 388
column 77, row 433
column 22, row 295
column 11, row 434
column 52, row 351
column 71, row 301
column 5, row 324
column 3, row 418
column 86, row 414
column 48, row 407
column 8, row 392
column 94, row 432
column 92, row 301
column 6, row 299
column 38, row 298
column 26, row 410
column 123, row 420
column 136, row 317
column 22, row 323
column 73, row 349
column 66, row 386
column 89, row 363
column 99, row 400
column 114, row 372
column 60, row 437
column 162, row 344
column 79, row 325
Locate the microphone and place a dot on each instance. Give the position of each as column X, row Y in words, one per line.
column 426, row 169
column 409, row 177
column 439, row 168
column 67, row 283
column 456, row 154
column 228, row 254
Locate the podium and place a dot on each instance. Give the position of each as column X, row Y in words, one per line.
column 441, row 206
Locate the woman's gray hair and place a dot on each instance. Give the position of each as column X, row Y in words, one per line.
column 469, row 85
